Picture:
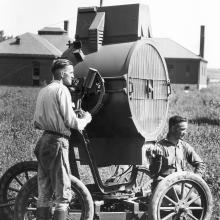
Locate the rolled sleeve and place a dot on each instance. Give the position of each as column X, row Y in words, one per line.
column 194, row 159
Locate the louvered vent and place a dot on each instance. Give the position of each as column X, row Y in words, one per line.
column 95, row 39
column 96, row 31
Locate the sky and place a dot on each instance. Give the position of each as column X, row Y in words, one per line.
column 179, row 20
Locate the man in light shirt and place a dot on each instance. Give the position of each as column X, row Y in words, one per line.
column 54, row 114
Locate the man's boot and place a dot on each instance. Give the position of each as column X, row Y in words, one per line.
column 43, row 213
column 60, row 215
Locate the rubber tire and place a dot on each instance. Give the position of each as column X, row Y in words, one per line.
column 171, row 180
column 19, row 168
column 30, row 188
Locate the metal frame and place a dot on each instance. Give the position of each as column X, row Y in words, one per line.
column 105, row 189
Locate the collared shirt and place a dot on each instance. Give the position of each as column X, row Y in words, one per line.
column 54, row 110
column 177, row 157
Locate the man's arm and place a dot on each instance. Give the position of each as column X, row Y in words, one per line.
column 156, row 149
column 194, row 159
column 67, row 112
column 155, row 153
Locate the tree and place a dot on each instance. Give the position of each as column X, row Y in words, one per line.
column 3, row 37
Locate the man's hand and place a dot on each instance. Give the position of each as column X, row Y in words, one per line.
column 160, row 151
column 87, row 116
column 83, row 119
column 157, row 150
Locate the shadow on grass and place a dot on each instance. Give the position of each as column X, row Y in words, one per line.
column 204, row 120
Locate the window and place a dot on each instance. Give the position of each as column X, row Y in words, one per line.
column 187, row 73
column 36, row 73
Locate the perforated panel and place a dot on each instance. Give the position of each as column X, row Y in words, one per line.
column 148, row 90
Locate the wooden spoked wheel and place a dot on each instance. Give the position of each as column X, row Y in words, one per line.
column 80, row 207
column 183, row 196
column 11, row 183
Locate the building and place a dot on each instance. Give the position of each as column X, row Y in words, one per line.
column 26, row 59
column 184, row 66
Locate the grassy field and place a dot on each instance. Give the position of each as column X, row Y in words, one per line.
column 202, row 108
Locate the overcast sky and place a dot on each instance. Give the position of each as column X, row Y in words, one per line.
column 178, row 20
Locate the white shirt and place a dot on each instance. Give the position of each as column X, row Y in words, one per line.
column 54, row 110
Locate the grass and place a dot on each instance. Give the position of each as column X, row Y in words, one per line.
column 17, row 135
column 202, row 108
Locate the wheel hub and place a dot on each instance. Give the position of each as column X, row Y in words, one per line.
column 181, row 207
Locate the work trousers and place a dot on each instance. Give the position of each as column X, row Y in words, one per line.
column 53, row 171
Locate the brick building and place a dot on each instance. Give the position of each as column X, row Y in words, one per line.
column 26, row 59
column 183, row 65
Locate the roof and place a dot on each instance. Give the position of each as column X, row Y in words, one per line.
column 52, row 29
column 171, row 49
column 55, row 45
column 59, row 41
column 32, row 44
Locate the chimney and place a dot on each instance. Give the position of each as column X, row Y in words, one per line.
column 202, row 40
column 66, row 25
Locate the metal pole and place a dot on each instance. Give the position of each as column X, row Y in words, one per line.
column 101, row 3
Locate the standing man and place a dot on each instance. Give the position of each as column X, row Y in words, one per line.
column 172, row 153
column 54, row 114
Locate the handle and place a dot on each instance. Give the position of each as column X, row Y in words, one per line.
column 131, row 88
column 169, row 91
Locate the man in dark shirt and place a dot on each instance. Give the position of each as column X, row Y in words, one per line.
column 172, row 153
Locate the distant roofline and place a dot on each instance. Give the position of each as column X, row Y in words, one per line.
column 51, row 30
column 197, row 56
column 50, row 50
